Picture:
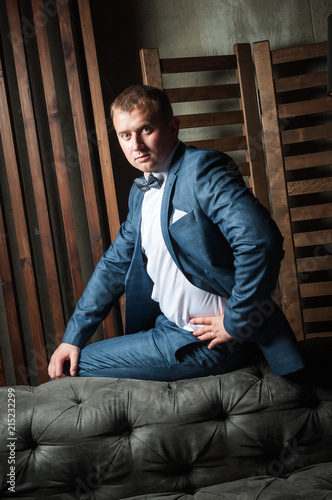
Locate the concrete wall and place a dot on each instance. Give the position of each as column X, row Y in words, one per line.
column 196, row 27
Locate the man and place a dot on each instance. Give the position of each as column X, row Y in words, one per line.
column 198, row 258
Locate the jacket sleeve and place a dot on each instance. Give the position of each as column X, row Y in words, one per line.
column 253, row 236
column 105, row 287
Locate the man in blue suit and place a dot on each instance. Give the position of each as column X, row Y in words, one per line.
column 198, row 259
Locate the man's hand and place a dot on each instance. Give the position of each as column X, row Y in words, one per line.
column 214, row 330
column 65, row 352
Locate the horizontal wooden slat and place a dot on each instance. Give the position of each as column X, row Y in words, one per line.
column 313, row 264
column 307, row 134
column 188, row 94
column 223, row 144
column 302, row 108
column 300, row 82
column 296, row 188
column 318, row 334
column 211, row 119
column 317, row 314
column 299, row 53
column 308, row 160
column 184, row 65
column 316, row 289
column 311, row 212
column 313, row 238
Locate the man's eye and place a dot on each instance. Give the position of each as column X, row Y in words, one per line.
column 146, row 130
column 125, row 136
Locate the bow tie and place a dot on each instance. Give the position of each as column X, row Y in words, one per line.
column 145, row 184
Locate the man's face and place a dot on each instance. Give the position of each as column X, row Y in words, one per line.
column 145, row 138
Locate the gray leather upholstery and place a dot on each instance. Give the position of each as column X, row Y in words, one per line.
column 237, row 436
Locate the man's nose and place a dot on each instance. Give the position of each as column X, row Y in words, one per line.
column 138, row 143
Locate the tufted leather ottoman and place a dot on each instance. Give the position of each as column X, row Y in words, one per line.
column 242, row 435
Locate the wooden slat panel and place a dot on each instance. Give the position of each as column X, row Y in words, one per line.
column 11, row 309
column 152, row 70
column 36, row 170
column 150, row 65
column 61, row 170
column 302, row 108
column 317, row 314
column 311, row 238
column 211, row 119
column 308, row 160
column 252, row 126
column 299, row 53
column 35, row 173
column 101, row 134
column 187, row 94
column 313, row 264
column 311, row 212
column 222, row 144
column 300, row 82
column 274, row 158
column 99, row 117
column 187, row 64
column 307, row 134
column 22, row 234
column 82, row 145
column 80, row 131
column 296, row 188
column 316, row 289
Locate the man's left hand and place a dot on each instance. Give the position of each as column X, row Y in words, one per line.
column 213, row 330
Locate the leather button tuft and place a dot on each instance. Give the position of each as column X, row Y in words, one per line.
column 313, row 402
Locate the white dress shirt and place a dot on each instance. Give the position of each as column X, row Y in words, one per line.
column 179, row 300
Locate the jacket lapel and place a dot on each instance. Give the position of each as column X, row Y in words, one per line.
column 165, row 212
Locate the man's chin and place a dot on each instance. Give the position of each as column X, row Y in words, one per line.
column 146, row 169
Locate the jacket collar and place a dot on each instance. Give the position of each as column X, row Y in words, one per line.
column 177, row 158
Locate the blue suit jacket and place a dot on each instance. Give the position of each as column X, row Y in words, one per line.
column 226, row 244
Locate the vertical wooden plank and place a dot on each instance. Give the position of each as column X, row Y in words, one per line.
column 252, row 128
column 36, row 168
column 101, row 130
column 150, row 65
column 99, row 117
column 11, row 309
column 278, row 190
column 58, row 152
column 22, row 234
column 82, row 142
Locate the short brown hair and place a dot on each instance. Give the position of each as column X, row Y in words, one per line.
column 143, row 96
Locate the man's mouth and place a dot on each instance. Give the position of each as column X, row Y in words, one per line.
column 142, row 157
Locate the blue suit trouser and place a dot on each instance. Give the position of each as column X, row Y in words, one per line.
column 150, row 355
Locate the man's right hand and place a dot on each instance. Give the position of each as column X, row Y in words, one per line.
column 65, row 352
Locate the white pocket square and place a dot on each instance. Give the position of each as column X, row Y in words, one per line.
column 177, row 215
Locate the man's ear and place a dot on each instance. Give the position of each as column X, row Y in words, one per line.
column 175, row 125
